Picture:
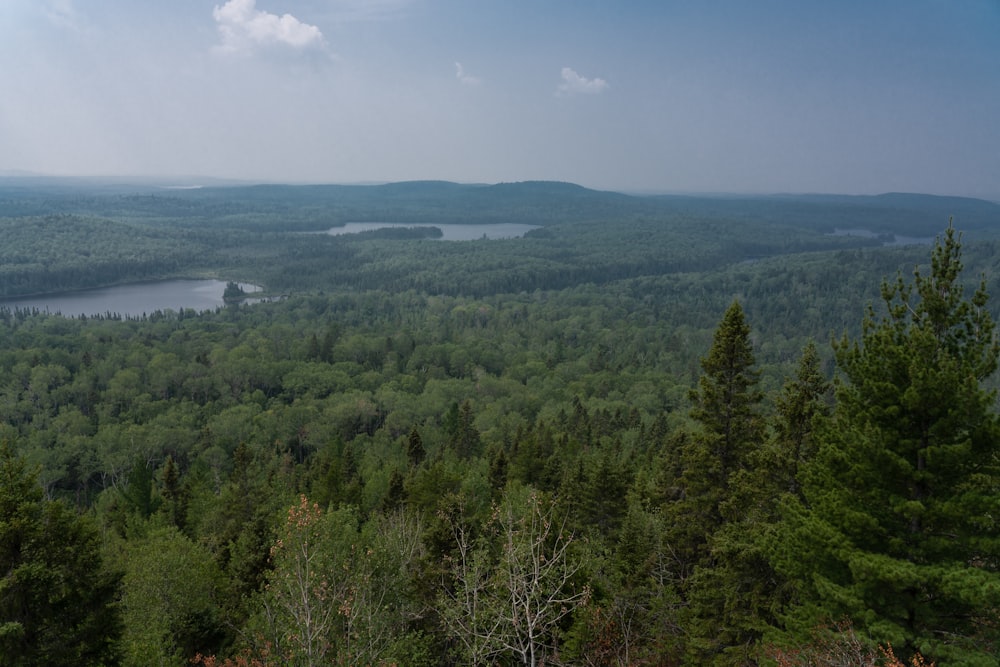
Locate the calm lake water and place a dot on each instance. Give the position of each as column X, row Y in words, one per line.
column 132, row 300
column 895, row 239
column 505, row 230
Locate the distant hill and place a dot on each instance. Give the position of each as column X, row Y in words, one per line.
column 318, row 206
column 310, row 207
column 891, row 213
column 919, row 214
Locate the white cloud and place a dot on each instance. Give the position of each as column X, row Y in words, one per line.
column 244, row 27
column 573, row 83
column 464, row 77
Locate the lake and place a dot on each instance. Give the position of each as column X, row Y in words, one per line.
column 888, row 238
column 450, row 232
column 131, row 300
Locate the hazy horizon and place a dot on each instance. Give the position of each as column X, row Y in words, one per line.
column 639, row 97
column 194, row 182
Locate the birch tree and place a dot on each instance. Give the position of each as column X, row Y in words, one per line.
column 514, row 587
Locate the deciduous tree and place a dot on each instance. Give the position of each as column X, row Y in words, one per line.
column 512, row 591
column 56, row 595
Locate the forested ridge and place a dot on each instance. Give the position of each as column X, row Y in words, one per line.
column 655, row 431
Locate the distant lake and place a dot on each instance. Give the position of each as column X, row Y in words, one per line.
column 130, row 300
column 887, row 238
column 457, row 232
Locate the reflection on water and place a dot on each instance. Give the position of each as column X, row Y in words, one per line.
column 131, row 300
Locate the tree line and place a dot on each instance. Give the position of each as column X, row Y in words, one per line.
column 62, row 237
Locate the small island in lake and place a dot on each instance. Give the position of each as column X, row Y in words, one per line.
column 233, row 293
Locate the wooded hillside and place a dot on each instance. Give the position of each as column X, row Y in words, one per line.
column 655, row 431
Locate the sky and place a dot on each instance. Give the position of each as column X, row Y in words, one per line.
column 682, row 96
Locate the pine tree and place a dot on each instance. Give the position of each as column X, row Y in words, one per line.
column 898, row 531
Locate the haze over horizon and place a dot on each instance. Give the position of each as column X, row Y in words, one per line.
column 668, row 96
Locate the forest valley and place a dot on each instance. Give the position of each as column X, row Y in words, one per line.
column 653, row 431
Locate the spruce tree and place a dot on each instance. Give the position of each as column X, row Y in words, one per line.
column 897, row 529
column 727, row 400
column 175, row 501
column 736, row 597
column 465, row 439
column 803, row 398
column 415, row 452
column 726, row 406
column 720, row 566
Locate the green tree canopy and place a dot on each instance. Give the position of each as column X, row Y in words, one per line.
column 725, row 588
column 727, row 407
column 56, row 597
column 898, row 528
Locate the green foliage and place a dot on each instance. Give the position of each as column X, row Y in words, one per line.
column 56, row 595
column 726, row 408
column 803, row 400
column 415, row 452
column 233, row 292
column 70, row 242
column 727, row 402
column 441, row 403
column 339, row 592
column 171, row 601
column 896, row 530
column 728, row 586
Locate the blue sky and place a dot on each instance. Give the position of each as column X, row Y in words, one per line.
column 664, row 96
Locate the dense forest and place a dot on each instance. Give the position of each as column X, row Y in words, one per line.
column 652, row 431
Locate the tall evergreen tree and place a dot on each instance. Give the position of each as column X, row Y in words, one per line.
column 735, row 595
column 720, row 565
column 175, row 501
column 802, row 400
column 898, row 530
column 465, row 440
column 727, row 401
column 415, row 452
column 726, row 405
